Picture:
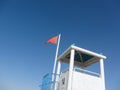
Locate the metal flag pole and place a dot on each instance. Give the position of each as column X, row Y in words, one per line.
column 55, row 61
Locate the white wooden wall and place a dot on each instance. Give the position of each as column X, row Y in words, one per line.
column 83, row 81
column 80, row 81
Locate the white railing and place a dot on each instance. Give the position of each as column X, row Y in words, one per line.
column 86, row 72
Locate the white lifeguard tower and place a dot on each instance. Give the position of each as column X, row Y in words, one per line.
column 79, row 78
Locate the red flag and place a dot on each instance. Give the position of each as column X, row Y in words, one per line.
column 53, row 40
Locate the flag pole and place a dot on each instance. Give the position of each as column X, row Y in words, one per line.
column 56, row 55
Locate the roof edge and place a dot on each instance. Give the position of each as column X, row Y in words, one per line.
column 88, row 52
column 82, row 50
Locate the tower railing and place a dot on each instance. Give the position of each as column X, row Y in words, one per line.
column 47, row 83
column 87, row 72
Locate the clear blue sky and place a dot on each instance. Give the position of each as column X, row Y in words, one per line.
column 26, row 24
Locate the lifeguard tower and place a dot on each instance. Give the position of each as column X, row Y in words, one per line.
column 79, row 78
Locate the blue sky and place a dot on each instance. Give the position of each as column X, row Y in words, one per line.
column 26, row 24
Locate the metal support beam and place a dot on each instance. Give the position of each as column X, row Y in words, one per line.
column 58, row 74
column 71, row 69
column 102, row 73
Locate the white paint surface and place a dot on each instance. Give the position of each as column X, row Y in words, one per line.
column 80, row 81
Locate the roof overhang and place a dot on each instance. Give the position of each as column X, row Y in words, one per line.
column 83, row 57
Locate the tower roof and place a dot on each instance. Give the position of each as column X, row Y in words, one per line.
column 82, row 57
